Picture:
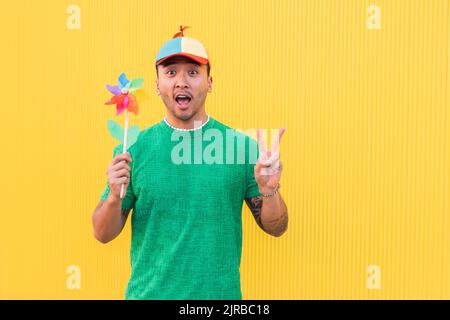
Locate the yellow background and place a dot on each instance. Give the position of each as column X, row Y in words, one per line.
column 365, row 153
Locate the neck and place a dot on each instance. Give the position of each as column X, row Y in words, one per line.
column 196, row 121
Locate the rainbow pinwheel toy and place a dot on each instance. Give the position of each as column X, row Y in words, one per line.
column 125, row 100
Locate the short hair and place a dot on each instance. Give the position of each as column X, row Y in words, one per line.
column 170, row 61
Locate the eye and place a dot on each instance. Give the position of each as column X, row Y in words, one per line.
column 193, row 72
column 171, row 72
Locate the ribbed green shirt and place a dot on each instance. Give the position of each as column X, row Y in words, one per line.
column 187, row 217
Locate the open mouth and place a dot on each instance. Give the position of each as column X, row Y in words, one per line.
column 183, row 100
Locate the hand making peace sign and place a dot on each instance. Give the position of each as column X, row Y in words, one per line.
column 268, row 167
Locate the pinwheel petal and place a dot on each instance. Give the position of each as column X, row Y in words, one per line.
column 136, row 83
column 113, row 89
column 141, row 95
column 123, row 81
column 126, row 100
column 133, row 107
column 120, row 108
column 115, row 100
column 132, row 97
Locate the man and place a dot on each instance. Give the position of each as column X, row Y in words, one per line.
column 186, row 221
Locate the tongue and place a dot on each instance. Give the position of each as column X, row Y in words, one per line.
column 183, row 101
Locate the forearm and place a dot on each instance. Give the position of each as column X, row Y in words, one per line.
column 274, row 215
column 108, row 220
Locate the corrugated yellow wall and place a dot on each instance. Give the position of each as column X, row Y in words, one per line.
column 366, row 150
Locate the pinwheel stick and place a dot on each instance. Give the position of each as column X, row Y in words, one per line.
column 125, row 138
column 125, row 101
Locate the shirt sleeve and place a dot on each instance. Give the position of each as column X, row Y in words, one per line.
column 129, row 199
column 252, row 189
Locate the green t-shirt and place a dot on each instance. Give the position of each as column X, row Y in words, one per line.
column 186, row 221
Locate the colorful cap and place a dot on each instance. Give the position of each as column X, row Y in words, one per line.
column 182, row 46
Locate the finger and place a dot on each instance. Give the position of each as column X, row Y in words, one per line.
column 276, row 166
column 257, row 167
column 114, row 163
column 127, row 157
column 274, row 157
column 122, row 157
column 270, row 160
column 282, row 130
column 112, row 170
column 263, row 156
column 263, row 163
column 120, row 173
column 123, row 173
column 261, row 142
column 272, row 169
column 120, row 181
column 276, row 140
column 120, row 165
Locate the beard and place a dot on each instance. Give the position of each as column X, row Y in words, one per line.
column 183, row 115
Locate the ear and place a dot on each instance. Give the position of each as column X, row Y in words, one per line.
column 210, row 83
column 157, row 87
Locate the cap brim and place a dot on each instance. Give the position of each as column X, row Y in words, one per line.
column 187, row 55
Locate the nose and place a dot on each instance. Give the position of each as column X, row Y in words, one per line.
column 181, row 81
column 181, row 85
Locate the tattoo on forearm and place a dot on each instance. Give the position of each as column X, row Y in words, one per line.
column 255, row 206
column 282, row 224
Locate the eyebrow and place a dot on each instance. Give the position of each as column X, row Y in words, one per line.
column 173, row 63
